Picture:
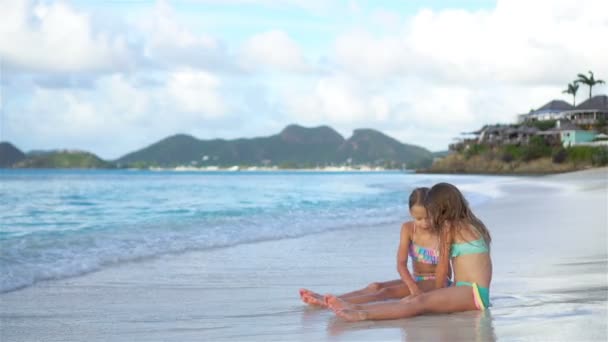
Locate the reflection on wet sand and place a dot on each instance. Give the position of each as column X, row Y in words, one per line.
column 464, row 326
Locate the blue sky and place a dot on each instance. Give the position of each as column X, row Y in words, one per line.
column 114, row 76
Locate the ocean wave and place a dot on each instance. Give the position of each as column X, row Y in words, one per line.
column 48, row 234
column 48, row 255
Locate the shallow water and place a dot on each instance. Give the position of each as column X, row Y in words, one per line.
column 56, row 223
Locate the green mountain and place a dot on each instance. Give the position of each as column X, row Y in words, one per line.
column 63, row 159
column 295, row 146
column 368, row 146
column 9, row 155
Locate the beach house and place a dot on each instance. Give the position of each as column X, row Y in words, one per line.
column 577, row 137
column 505, row 134
column 573, row 126
column 553, row 110
column 567, row 134
column 589, row 112
column 495, row 135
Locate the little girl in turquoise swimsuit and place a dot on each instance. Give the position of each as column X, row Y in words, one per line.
column 465, row 241
column 418, row 242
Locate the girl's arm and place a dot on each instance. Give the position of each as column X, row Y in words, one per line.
column 402, row 254
column 446, row 238
column 450, row 270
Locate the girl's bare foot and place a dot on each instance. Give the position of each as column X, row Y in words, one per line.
column 336, row 303
column 351, row 315
column 313, row 298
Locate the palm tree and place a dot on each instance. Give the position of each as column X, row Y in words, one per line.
column 590, row 81
column 572, row 89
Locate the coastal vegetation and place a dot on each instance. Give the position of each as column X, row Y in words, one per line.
column 554, row 138
column 537, row 157
column 588, row 81
column 63, row 159
column 572, row 89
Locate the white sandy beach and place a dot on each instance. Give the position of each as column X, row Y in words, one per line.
column 550, row 255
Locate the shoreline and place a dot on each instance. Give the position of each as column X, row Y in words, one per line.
column 214, row 169
column 327, row 170
column 519, row 174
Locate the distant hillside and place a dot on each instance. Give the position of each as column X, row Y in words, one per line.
column 295, row 146
column 370, row 146
column 9, row 155
column 441, row 154
column 63, row 160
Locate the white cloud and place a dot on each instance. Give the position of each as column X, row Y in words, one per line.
column 104, row 112
column 455, row 70
column 274, row 50
column 330, row 100
column 362, row 54
column 130, row 103
column 517, row 42
column 386, row 19
column 314, row 6
column 196, row 91
column 338, row 100
column 54, row 37
column 115, row 116
column 168, row 42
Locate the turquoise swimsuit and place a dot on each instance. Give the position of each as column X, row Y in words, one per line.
column 481, row 295
column 471, row 247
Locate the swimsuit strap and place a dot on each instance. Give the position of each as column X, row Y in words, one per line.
column 414, row 232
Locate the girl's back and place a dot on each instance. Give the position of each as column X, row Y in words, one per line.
column 470, row 257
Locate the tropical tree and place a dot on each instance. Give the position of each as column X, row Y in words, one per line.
column 590, row 81
column 572, row 89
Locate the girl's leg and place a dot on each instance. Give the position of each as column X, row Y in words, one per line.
column 446, row 300
column 371, row 288
column 314, row 298
column 393, row 292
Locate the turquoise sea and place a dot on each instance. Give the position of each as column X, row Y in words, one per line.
column 58, row 223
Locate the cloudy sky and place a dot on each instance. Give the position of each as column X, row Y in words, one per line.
column 116, row 75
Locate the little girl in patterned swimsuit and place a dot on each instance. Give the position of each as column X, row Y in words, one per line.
column 418, row 242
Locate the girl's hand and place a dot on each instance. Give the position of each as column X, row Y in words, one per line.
column 414, row 292
column 410, row 297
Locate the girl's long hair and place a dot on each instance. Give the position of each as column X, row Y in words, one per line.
column 449, row 212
